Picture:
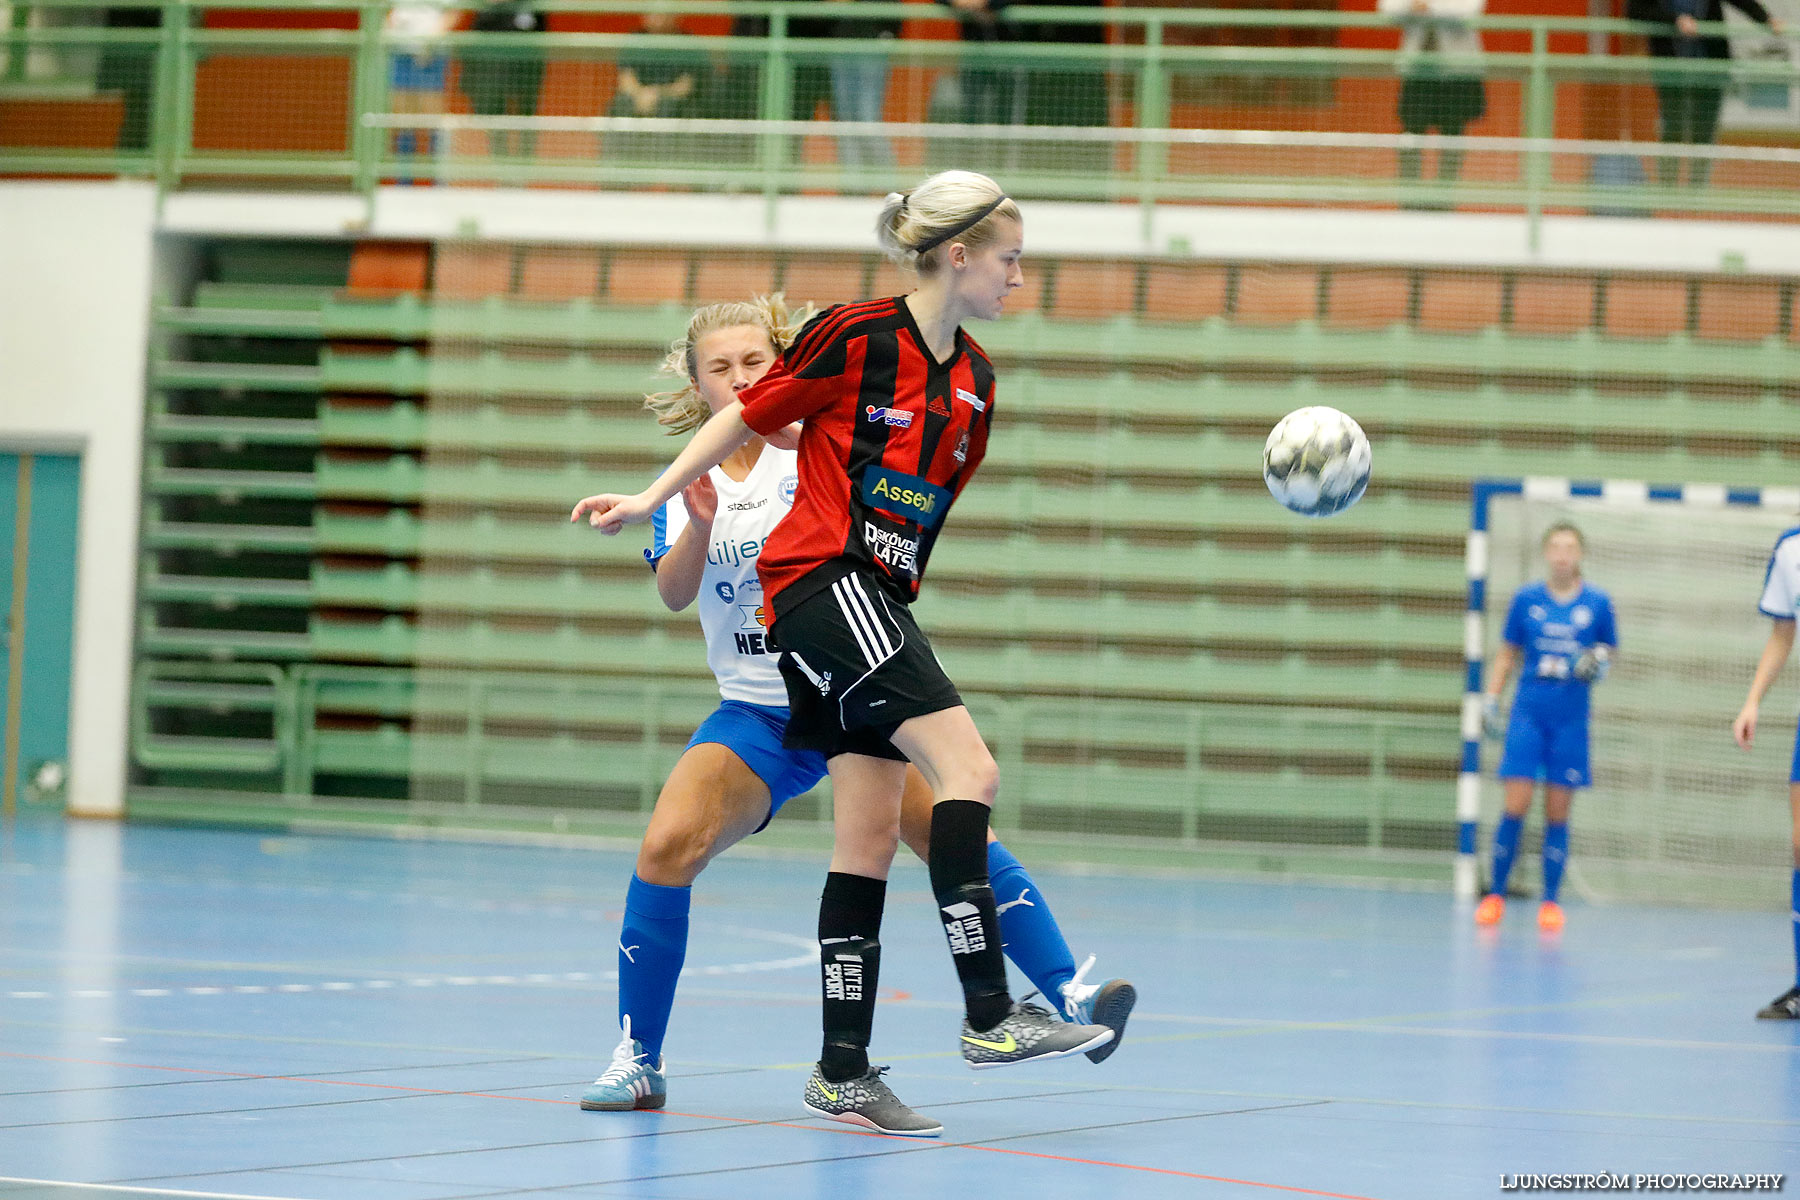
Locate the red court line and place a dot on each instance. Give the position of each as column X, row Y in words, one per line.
column 811, row 1128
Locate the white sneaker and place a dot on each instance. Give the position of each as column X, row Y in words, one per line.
column 1107, row 1004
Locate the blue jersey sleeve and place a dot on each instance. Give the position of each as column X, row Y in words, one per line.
column 1606, row 630
column 660, row 541
column 1515, row 632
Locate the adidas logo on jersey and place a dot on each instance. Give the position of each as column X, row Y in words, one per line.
column 938, row 406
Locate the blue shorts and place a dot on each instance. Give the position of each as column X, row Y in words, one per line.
column 1794, row 771
column 417, row 72
column 1546, row 748
column 753, row 733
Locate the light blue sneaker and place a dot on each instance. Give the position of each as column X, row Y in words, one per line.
column 631, row 1081
column 1107, row 1004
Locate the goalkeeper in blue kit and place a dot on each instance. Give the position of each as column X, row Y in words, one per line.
column 1560, row 634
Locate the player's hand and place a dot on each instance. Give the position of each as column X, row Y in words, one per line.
column 702, row 500
column 609, row 513
column 1743, row 726
column 1591, row 666
column 1493, row 721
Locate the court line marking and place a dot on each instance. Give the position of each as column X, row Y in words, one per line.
column 137, row 1191
column 808, row 956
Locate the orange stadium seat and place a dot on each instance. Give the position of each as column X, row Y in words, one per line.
column 731, row 276
column 1184, row 291
column 1276, row 295
column 1362, row 299
column 826, row 279
column 1459, row 303
column 472, row 270
column 1552, row 303
column 1093, row 291
column 388, row 267
column 1646, row 308
column 560, row 273
column 1738, row 312
column 647, row 277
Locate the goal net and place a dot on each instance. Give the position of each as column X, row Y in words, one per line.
column 1677, row 813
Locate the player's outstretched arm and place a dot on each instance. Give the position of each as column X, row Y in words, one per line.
column 1775, row 653
column 725, row 432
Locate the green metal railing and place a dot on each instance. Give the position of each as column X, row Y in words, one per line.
column 1184, row 122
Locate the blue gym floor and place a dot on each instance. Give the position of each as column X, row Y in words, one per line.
column 203, row 1013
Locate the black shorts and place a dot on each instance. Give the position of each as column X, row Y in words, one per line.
column 856, row 665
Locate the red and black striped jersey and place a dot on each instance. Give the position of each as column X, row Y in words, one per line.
column 891, row 437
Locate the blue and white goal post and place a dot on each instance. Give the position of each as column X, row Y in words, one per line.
column 1484, row 493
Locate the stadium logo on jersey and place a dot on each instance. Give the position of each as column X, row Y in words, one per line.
column 938, row 406
column 907, row 495
column 961, row 453
column 789, row 485
column 977, row 402
column 897, row 417
column 727, row 593
column 747, row 505
column 1581, row 616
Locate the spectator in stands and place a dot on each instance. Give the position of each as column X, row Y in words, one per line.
column 1688, row 103
column 417, row 66
column 1069, row 93
column 131, row 71
column 503, row 84
column 859, row 85
column 1440, row 65
column 655, row 83
column 811, row 81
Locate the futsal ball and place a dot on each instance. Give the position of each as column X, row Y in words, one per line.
column 1316, row 461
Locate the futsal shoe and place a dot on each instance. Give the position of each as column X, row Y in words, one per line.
column 1550, row 917
column 1107, row 1004
column 1029, row 1033
column 868, row 1102
column 1785, row 1007
column 1491, row 909
column 631, row 1081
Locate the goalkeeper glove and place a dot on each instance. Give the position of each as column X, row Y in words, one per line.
column 1493, row 722
column 1591, row 666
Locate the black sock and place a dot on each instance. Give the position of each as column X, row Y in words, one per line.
column 959, row 880
column 850, row 967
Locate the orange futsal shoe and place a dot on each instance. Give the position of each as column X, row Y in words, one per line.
column 1491, row 908
column 1550, row 917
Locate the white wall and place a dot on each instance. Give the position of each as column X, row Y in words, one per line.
column 75, row 263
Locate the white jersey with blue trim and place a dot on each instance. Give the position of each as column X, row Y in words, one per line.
column 732, row 615
column 1781, row 583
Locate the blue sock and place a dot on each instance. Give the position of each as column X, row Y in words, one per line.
column 1028, row 930
column 1797, row 926
column 1556, row 856
column 652, row 947
column 1506, row 844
